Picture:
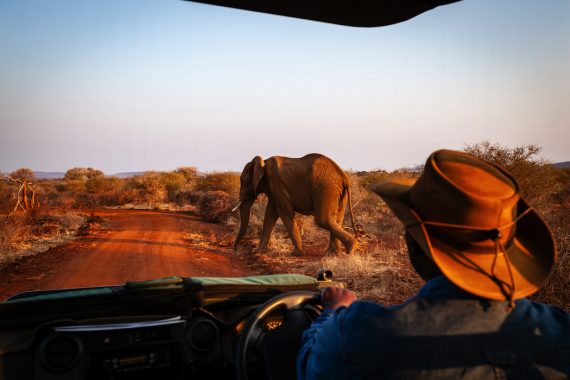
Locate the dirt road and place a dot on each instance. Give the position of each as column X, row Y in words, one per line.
column 128, row 245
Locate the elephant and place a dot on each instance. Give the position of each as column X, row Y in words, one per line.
column 310, row 185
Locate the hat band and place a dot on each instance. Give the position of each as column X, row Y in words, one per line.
column 494, row 234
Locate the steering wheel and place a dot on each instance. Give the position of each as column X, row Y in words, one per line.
column 289, row 301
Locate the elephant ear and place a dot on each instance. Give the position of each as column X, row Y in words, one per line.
column 258, row 169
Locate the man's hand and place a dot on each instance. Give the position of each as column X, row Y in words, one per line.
column 333, row 298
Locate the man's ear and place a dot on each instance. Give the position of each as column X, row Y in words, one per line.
column 258, row 171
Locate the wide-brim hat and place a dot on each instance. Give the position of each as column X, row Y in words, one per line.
column 468, row 216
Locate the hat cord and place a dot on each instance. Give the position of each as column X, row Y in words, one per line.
column 495, row 234
column 511, row 289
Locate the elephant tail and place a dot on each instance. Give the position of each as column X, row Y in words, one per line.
column 354, row 225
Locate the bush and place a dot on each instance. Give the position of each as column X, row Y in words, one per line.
column 187, row 197
column 537, row 177
column 215, row 206
column 146, row 188
column 13, row 229
column 101, row 185
column 369, row 209
column 101, row 191
column 227, row 182
column 74, row 186
column 23, row 174
column 82, row 173
column 367, row 179
column 8, row 196
column 188, row 172
column 173, row 183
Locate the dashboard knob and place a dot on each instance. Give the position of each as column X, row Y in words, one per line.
column 59, row 353
column 202, row 335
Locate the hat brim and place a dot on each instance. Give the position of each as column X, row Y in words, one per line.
column 531, row 252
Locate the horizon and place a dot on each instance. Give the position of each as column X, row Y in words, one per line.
column 63, row 171
column 137, row 172
column 123, row 85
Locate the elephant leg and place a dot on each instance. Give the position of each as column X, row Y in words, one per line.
column 327, row 217
column 334, row 243
column 290, row 223
column 269, row 221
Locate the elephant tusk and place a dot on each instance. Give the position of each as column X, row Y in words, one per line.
column 237, row 206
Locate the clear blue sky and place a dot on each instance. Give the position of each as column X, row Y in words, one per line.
column 129, row 85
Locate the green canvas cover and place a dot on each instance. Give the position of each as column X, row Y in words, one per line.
column 165, row 296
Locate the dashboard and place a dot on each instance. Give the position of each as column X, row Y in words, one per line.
column 195, row 346
column 200, row 342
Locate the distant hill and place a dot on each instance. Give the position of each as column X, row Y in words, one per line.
column 132, row 174
column 60, row 175
column 126, row 174
column 562, row 165
column 49, row 175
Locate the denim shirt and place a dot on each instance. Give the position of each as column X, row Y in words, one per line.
column 440, row 333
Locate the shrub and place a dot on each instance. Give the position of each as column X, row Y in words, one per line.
column 8, row 196
column 367, row 179
column 536, row 176
column 14, row 229
column 101, row 185
column 227, row 182
column 82, row 173
column 187, row 197
column 23, row 174
column 103, row 191
column 173, row 183
column 215, row 206
column 74, row 186
column 188, row 172
column 369, row 209
column 146, row 188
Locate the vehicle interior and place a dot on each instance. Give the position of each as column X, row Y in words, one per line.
column 182, row 328
column 171, row 328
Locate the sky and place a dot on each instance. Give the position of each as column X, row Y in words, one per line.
column 133, row 85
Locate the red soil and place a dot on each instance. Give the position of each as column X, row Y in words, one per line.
column 131, row 245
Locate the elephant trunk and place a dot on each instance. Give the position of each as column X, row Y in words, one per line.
column 244, row 210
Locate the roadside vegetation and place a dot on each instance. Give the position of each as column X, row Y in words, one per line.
column 379, row 272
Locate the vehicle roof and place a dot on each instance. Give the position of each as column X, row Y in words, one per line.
column 359, row 13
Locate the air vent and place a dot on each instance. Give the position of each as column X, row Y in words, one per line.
column 59, row 353
column 202, row 335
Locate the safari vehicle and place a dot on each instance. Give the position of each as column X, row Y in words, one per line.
column 176, row 327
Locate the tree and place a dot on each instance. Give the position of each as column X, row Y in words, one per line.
column 82, row 173
column 224, row 181
column 537, row 177
column 146, row 187
column 23, row 174
column 189, row 172
column 101, row 184
column 173, row 183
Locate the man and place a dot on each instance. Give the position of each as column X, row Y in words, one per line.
column 482, row 249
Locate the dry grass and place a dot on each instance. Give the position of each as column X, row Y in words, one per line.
column 21, row 235
column 376, row 273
